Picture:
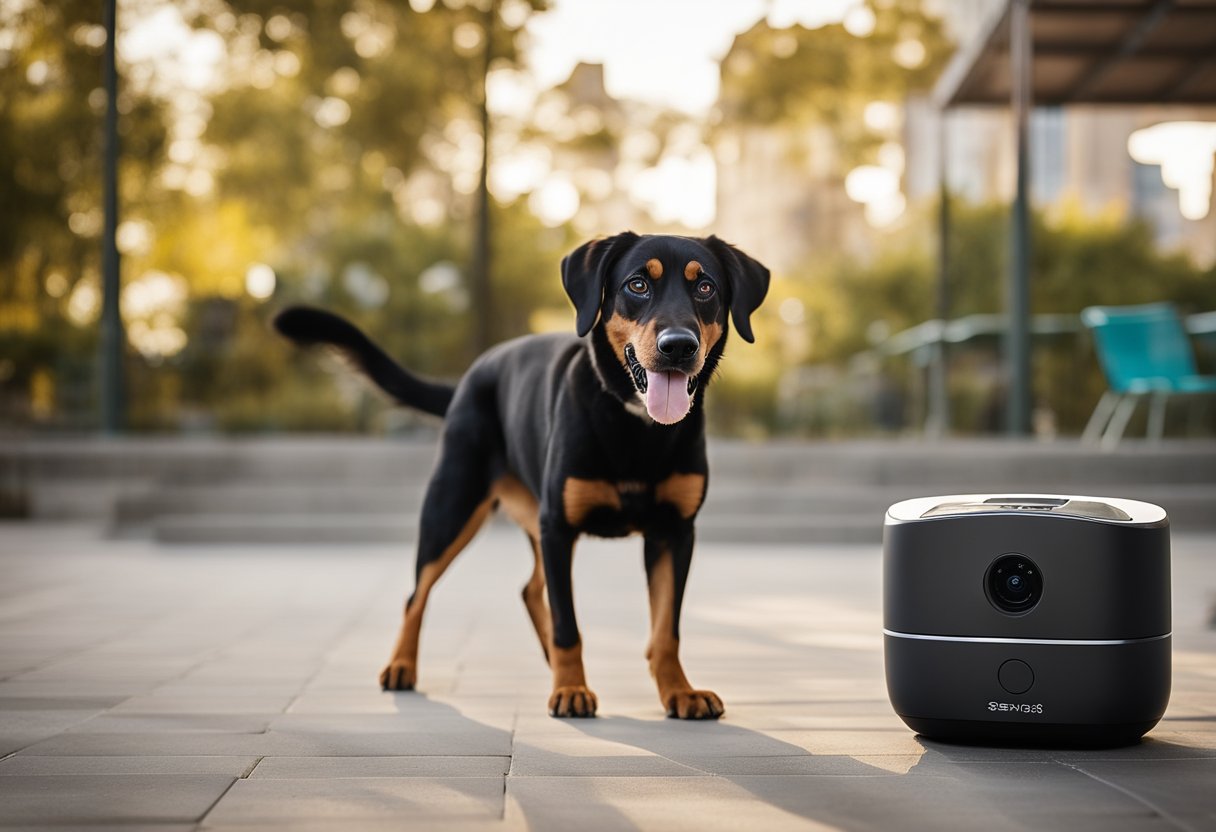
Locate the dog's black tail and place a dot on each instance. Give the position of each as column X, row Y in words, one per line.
column 309, row 327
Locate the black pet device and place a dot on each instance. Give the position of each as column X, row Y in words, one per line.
column 1027, row 619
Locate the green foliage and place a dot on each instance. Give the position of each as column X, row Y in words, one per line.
column 50, row 150
column 827, row 76
column 314, row 193
column 339, row 122
column 1076, row 262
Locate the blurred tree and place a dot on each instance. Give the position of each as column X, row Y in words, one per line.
column 828, row 75
column 50, row 202
column 1078, row 262
column 333, row 143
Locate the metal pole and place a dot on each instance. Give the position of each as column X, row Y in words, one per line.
column 112, row 337
column 1017, row 306
column 938, row 423
column 482, row 293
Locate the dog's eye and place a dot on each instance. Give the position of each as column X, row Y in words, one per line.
column 706, row 289
column 638, row 286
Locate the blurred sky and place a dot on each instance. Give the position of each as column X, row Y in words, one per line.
column 664, row 52
column 661, row 51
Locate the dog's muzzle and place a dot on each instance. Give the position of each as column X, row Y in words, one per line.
column 639, row 372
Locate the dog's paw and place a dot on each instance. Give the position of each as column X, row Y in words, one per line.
column 694, row 704
column 398, row 675
column 572, row 700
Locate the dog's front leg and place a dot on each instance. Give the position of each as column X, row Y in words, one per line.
column 668, row 556
column 571, row 696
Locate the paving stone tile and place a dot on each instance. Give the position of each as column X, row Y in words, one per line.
column 362, row 701
column 1187, row 737
column 41, row 722
column 1028, row 796
column 74, row 688
column 406, row 799
column 869, row 743
column 17, row 740
column 95, row 704
column 125, row 723
column 283, row 768
column 29, row 764
column 835, row 766
column 489, row 743
column 429, row 823
column 292, row 645
column 1179, row 790
column 108, row 798
column 577, row 757
column 224, row 688
column 158, row 703
column 608, row 804
column 446, row 721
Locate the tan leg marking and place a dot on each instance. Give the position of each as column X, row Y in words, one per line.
column 521, row 506
column 535, row 600
column 579, row 497
column 571, row 696
column 692, row 271
column 677, row 696
column 654, row 268
column 684, row 491
column 402, row 670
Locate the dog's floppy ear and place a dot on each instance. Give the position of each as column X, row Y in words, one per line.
column 748, row 280
column 584, row 271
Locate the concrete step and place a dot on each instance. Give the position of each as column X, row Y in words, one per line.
column 247, row 498
column 360, row 488
column 303, row 529
column 299, row 529
column 795, row 529
column 370, row 461
column 964, row 465
column 734, row 514
column 1189, row 506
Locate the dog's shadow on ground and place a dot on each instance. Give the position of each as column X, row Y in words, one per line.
column 867, row 791
column 762, row 765
column 848, row 792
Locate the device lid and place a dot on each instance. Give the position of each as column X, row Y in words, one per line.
column 1096, row 509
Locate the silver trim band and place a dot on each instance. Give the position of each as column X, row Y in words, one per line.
column 1064, row 642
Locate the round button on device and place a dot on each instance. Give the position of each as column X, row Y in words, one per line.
column 1015, row 676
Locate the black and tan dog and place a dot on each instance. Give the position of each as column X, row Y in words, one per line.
column 602, row 435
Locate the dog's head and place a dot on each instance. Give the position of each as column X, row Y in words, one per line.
column 659, row 306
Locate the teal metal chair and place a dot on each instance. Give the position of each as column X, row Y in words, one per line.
column 1144, row 351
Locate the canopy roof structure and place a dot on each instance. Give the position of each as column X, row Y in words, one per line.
column 1094, row 52
column 1062, row 52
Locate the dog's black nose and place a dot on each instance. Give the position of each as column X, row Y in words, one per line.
column 678, row 343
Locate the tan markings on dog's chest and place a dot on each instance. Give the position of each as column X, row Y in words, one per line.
column 580, row 497
column 684, row 491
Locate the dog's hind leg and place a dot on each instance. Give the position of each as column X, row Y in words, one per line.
column 458, row 500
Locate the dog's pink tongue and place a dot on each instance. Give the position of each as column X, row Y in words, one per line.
column 666, row 396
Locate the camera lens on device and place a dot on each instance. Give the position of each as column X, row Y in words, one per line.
column 1014, row 584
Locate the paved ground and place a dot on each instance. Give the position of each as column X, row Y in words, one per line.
column 223, row 688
